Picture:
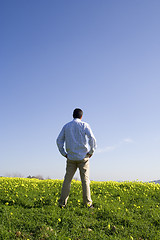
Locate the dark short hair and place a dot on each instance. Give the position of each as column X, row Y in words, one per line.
column 77, row 113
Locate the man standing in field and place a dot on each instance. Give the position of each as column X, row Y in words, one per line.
column 73, row 137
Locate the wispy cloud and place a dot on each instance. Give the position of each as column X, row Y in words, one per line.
column 105, row 149
column 128, row 140
column 114, row 147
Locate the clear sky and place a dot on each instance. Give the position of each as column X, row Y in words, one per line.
column 100, row 56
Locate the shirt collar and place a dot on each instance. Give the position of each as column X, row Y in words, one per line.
column 77, row 119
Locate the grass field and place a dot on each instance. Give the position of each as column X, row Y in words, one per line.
column 123, row 211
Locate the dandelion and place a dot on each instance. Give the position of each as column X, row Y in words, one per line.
column 89, row 230
column 119, row 199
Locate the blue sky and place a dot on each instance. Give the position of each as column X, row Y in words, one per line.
column 101, row 56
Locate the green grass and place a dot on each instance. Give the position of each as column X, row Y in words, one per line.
column 123, row 211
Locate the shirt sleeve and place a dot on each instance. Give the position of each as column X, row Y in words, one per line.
column 60, row 142
column 91, row 139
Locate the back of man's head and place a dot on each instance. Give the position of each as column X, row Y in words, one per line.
column 77, row 113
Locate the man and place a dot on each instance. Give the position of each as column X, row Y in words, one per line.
column 76, row 136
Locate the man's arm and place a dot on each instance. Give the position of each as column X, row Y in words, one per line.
column 60, row 142
column 91, row 140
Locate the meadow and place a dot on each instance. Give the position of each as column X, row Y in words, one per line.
column 122, row 211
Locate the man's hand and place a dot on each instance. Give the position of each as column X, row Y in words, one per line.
column 89, row 155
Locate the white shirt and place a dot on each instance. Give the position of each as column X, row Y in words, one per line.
column 75, row 137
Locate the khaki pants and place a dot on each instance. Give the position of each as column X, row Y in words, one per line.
column 84, row 173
